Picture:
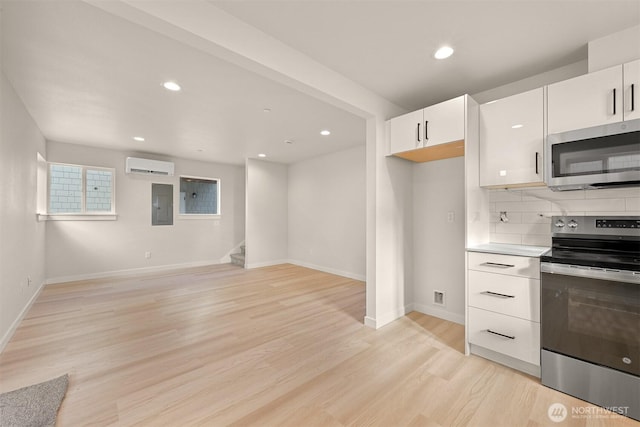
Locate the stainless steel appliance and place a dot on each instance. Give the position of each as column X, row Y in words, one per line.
column 590, row 311
column 596, row 157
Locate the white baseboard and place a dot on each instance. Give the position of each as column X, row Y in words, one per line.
column 128, row 272
column 370, row 322
column 440, row 313
column 509, row 361
column 386, row 318
column 266, row 263
column 12, row 329
column 329, row 270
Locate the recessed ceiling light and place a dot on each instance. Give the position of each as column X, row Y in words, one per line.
column 262, row 155
column 443, row 52
column 173, row 86
column 516, row 126
column 266, row 110
column 138, row 138
column 325, row 132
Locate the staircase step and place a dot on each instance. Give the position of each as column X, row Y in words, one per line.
column 237, row 259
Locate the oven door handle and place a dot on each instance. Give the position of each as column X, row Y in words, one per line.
column 624, row 276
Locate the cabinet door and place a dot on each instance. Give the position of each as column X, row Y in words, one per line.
column 631, row 90
column 444, row 122
column 406, row 132
column 511, row 140
column 589, row 100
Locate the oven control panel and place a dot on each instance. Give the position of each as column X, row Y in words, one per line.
column 617, row 223
column 596, row 225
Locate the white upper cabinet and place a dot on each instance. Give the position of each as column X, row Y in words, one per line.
column 631, row 74
column 512, row 139
column 444, row 122
column 592, row 99
column 437, row 124
column 406, row 132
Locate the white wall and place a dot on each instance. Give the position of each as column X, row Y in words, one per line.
column 327, row 211
column 22, row 238
column 438, row 239
column 80, row 249
column 529, row 210
column 266, row 214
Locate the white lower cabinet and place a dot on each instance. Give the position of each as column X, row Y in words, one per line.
column 504, row 334
column 503, row 321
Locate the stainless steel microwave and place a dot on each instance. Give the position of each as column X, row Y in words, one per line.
column 596, row 157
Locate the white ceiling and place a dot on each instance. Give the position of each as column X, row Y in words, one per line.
column 90, row 77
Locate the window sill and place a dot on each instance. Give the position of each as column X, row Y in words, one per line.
column 198, row 216
column 77, row 217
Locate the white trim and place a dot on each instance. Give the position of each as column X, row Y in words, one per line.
column 127, row 272
column 440, row 313
column 354, row 276
column 198, row 216
column 77, row 217
column 266, row 263
column 370, row 322
column 12, row 329
column 503, row 359
column 391, row 316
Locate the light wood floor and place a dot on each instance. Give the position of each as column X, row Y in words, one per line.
column 280, row 345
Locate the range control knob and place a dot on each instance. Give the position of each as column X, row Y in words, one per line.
column 572, row 224
column 559, row 223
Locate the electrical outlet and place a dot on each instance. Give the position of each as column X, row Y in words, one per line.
column 451, row 216
column 29, row 281
column 147, row 254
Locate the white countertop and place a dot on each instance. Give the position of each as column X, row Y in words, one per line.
column 507, row 249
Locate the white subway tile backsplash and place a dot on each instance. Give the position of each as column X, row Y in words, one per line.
column 530, row 210
column 537, row 239
column 509, row 228
column 535, row 206
column 546, row 194
column 604, row 205
column 536, row 217
column 513, row 217
column 505, row 196
column 514, row 239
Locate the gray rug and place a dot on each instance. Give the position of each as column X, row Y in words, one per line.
column 33, row 406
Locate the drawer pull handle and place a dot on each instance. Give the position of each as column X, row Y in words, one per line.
column 502, row 335
column 498, row 265
column 497, row 295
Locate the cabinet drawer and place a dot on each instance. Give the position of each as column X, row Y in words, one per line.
column 514, row 296
column 519, row 338
column 505, row 264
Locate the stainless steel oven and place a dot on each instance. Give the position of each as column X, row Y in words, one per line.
column 590, row 311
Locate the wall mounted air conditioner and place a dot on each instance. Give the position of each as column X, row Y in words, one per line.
column 146, row 166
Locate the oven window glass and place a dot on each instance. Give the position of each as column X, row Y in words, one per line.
column 606, row 154
column 591, row 319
